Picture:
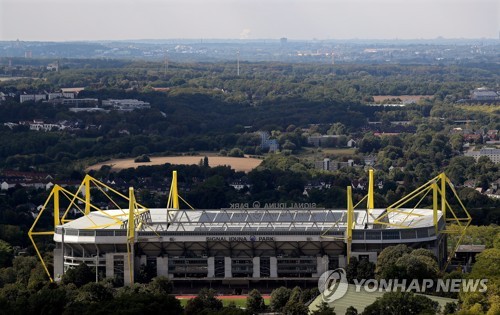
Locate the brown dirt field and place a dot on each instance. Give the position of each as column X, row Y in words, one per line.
column 239, row 164
column 380, row 98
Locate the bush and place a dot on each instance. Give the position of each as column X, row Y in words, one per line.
column 142, row 159
column 236, row 152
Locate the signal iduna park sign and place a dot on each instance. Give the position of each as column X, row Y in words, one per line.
column 240, row 238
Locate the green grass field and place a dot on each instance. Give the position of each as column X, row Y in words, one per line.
column 489, row 109
column 239, row 302
column 307, row 152
column 339, row 151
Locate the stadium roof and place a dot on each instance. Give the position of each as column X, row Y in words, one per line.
column 260, row 219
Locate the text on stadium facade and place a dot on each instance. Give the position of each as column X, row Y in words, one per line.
column 240, row 239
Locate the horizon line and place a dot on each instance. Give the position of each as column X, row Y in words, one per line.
column 201, row 39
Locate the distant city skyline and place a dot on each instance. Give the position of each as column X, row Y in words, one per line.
column 74, row 20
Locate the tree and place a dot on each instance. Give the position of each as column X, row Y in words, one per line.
column 337, row 129
column 205, row 301
column 95, row 292
column 365, row 270
column 351, row 269
column 146, row 273
column 359, row 270
column 79, row 275
column 308, row 295
column 255, row 302
column 140, row 150
column 279, row 298
column 194, row 306
column 142, row 159
column 351, row 310
column 7, row 275
column 6, row 254
column 397, row 303
column 23, row 266
column 288, row 145
column 400, row 262
column 295, row 308
column 296, row 294
column 51, row 299
column 236, row 152
column 369, row 143
column 16, row 298
column 386, row 261
column 487, row 266
column 133, row 300
column 160, row 285
column 496, row 242
column 450, row 308
column 417, row 266
column 38, row 278
column 323, row 309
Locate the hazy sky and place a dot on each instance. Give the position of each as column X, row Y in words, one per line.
column 67, row 20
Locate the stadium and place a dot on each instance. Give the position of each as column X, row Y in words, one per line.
column 269, row 244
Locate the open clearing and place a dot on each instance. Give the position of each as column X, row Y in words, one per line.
column 2, row 79
column 489, row 109
column 245, row 164
column 316, row 153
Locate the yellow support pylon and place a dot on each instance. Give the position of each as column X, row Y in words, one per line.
column 443, row 178
column 55, row 196
column 371, row 201
column 173, row 196
column 131, row 234
column 350, row 218
column 54, row 192
column 435, row 207
column 175, row 192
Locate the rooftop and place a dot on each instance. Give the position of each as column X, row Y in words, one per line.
column 251, row 219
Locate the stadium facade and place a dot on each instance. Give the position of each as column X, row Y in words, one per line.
column 244, row 243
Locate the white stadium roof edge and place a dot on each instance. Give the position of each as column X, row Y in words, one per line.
column 262, row 219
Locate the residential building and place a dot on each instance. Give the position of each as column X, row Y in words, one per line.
column 75, row 101
column 492, row 153
column 370, row 160
column 52, row 96
column 32, row 97
column 87, row 109
column 329, row 165
column 484, row 94
column 240, row 183
column 323, row 140
column 267, row 143
column 125, row 104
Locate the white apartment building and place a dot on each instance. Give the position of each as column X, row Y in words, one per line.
column 492, row 153
column 32, row 97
